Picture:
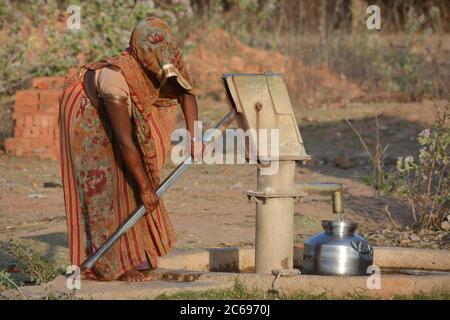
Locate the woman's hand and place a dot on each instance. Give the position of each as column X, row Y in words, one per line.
column 197, row 149
column 150, row 200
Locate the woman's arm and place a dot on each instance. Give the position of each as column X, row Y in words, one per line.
column 190, row 112
column 121, row 124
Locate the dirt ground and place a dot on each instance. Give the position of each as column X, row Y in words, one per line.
column 208, row 205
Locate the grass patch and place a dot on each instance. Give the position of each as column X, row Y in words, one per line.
column 63, row 296
column 237, row 292
column 424, row 296
column 31, row 262
column 6, row 282
column 240, row 292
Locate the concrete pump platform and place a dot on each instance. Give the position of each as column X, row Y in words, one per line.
column 404, row 271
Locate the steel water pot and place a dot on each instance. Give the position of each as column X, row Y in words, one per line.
column 337, row 251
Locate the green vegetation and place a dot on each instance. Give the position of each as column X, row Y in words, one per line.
column 64, row 296
column 30, row 262
column 239, row 292
column 6, row 282
column 36, row 41
column 391, row 65
column 425, row 182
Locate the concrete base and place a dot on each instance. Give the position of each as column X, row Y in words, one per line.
column 192, row 271
column 243, row 259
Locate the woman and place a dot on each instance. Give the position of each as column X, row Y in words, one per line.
column 116, row 118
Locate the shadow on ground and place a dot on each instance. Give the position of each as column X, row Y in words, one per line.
column 325, row 141
column 53, row 243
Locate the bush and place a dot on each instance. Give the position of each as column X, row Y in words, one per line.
column 32, row 263
column 425, row 183
column 36, row 42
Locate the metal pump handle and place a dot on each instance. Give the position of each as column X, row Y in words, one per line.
column 134, row 217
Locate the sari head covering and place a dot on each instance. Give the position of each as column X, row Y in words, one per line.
column 154, row 47
column 151, row 59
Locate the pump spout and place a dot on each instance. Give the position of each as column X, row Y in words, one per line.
column 335, row 189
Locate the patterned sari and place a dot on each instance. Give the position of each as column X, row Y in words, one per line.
column 99, row 191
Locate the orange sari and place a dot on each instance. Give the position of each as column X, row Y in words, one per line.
column 99, row 191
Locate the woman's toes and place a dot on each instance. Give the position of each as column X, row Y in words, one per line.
column 133, row 276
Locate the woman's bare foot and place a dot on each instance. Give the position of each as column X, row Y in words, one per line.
column 135, row 276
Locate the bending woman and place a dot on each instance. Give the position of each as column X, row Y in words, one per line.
column 116, row 118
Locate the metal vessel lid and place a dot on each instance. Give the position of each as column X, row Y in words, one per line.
column 340, row 227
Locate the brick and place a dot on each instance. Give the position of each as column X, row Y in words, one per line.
column 27, row 132
column 44, row 132
column 18, row 132
column 46, row 137
column 28, row 121
column 48, row 82
column 49, row 100
column 44, row 121
column 17, row 146
column 35, row 142
column 53, row 153
column 53, row 121
column 56, row 133
column 36, row 120
column 30, row 132
column 35, row 132
column 19, row 119
column 26, row 101
column 59, row 82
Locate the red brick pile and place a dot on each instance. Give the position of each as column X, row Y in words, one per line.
column 36, row 130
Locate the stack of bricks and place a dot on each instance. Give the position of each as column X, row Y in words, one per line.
column 36, row 131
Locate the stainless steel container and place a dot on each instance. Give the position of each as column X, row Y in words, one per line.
column 337, row 251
